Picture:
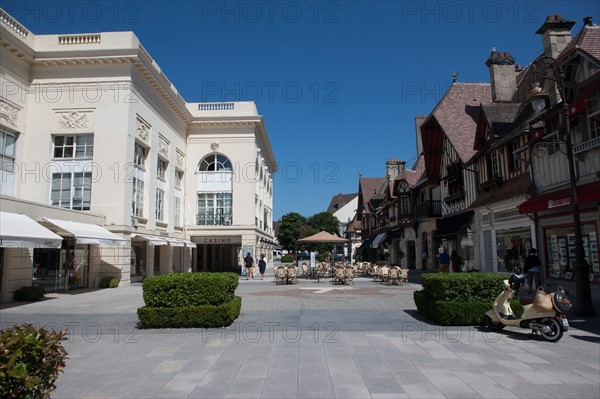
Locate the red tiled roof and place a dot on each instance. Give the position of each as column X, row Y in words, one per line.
column 412, row 176
column 339, row 200
column 518, row 186
column 369, row 186
column 588, row 40
column 455, row 116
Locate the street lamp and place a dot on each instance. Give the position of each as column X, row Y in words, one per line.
column 547, row 67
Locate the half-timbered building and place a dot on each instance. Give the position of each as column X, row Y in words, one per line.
column 448, row 134
column 551, row 206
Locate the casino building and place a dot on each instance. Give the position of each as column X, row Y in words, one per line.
column 107, row 171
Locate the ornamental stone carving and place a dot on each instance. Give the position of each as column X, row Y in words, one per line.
column 143, row 129
column 9, row 113
column 163, row 146
column 73, row 120
column 180, row 157
column 215, row 146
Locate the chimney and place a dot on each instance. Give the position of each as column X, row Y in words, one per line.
column 394, row 166
column 556, row 34
column 418, row 121
column 502, row 76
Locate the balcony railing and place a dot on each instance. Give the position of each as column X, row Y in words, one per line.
column 216, row 106
column 588, row 145
column 214, row 220
column 429, row 209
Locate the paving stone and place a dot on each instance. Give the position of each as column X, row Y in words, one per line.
column 362, row 341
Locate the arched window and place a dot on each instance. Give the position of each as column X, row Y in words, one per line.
column 214, row 191
column 215, row 163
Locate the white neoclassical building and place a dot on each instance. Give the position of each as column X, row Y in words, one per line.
column 107, row 171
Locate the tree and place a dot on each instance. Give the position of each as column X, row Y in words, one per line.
column 289, row 229
column 325, row 221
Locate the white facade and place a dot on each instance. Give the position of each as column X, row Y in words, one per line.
column 94, row 126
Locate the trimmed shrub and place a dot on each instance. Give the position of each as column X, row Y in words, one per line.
column 30, row 360
column 422, row 302
column 463, row 287
column 31, row 293
column 105, row 281
column 174, row 290
column 460, row 299
column 287, row 259
column 114, row 283
column 204, row 316
column 451, row 313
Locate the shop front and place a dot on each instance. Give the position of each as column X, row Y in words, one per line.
column 218, row 253
column 455, row 233
column 20, row 238
column 557, row 233
column 78, row 262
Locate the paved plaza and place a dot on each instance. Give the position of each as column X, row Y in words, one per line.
column 309, row 340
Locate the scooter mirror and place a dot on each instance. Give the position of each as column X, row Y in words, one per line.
column 516, row 280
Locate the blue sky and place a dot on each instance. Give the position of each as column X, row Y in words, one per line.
column 338, row 82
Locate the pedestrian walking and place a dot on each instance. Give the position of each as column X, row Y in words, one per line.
column 444, row 261
column 249, row 263
column 456, row 261
column 262, row 266
column 532, row 268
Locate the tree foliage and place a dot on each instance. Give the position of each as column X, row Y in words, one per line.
column 325, row 221
column 289, row 229
column 294, row 226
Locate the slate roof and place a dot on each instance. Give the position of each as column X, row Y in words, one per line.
column 500, row 117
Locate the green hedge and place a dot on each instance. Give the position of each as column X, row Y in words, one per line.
column 463, row 287
column 460, row 299
column 30, row 293
column 287, row 259
column 205, row 316
column 174, row 290
column 30, row 361
column 422, row 302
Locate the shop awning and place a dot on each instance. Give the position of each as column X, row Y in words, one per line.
column 84, row 233
column 151, row 239
column 586, row 193
column 366, row 244
column 380, row 237
column 397, row 234
column 174, row 242
column 449, row 226
column 19, row 231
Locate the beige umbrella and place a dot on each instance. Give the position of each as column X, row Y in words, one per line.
column 325, row 237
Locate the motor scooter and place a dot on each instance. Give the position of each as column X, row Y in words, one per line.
column 550, row 324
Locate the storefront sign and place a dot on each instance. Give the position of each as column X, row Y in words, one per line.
column 217, row 240
column 559, row 202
